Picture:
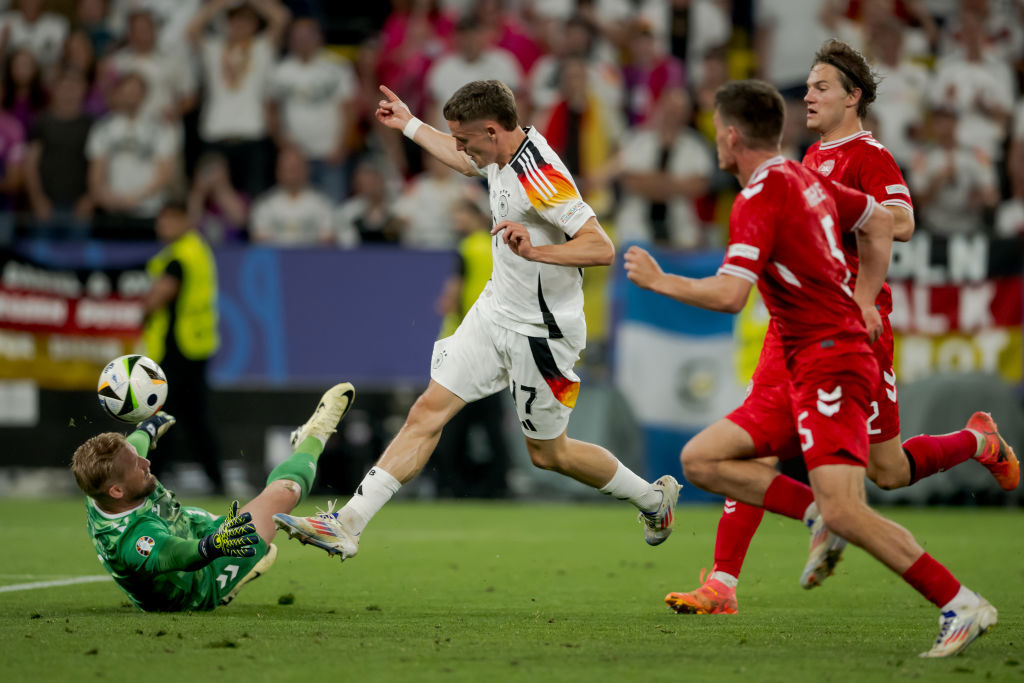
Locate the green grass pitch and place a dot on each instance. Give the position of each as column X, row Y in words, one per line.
column 512, row 591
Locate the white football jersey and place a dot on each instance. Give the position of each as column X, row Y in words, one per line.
column 535, row 299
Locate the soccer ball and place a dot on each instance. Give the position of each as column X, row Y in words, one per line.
column 132, row 388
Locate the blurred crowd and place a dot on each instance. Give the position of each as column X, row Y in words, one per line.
column 111, row 108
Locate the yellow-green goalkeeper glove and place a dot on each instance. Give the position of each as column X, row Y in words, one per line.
column 156, row 427
column 235, row 537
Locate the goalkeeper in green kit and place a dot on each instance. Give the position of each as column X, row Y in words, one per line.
column 168, row 557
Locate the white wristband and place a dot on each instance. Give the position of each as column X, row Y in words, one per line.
column 410, row 128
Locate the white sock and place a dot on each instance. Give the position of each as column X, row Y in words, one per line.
column 964, row 598
column 626, row 485
column 728, row 579
column 810, row 514
column 372, row 493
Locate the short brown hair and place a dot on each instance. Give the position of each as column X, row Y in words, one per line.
column 854, row 72
column 482, row 100
column 93, row 463
column 756, row 108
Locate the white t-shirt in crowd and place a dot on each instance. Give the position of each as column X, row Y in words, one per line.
column 1010, row 218
column 45, row 36
column 688, row 156
column 426, row 208
column 235, row 112
column 132, row 148
column 452, row 71
column 310, row 94
column 961, row 84
column 168, row 78
column 303, row 219
column 950, row 211
column 172, row 17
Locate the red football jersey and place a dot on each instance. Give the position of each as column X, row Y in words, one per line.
column 784, row 234
column 861, row 162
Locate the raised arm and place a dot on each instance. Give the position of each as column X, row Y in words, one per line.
column 721, row 292
column 394, row 113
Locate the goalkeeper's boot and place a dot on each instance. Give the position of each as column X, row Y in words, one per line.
column 156, row 426
column 713, row 597
column 658, row 524
column 324, row 530
column 261, row 568
column 825, row 551
column 996, row 455
column 332, row 408
column 958, row 628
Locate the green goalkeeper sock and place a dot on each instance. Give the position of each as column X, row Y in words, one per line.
column 301, row 466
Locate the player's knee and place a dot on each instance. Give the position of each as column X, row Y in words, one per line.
column 545, row 458
column 696, row 465
column 887, row 478
column 842, row 517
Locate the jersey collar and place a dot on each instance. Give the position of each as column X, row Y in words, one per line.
column 759, row 172
column 522, row 145
column 119, row 515
column 843, row 141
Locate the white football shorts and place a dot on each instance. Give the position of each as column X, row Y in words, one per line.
column 482, row 358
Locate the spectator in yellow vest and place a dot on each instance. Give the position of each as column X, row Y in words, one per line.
column 181, row 334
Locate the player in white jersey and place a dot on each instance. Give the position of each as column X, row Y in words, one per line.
column 525, row 332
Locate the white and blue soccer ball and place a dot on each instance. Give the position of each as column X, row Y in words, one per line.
column 132, row 388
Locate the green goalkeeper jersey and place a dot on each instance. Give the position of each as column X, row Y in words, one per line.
column 152, row 552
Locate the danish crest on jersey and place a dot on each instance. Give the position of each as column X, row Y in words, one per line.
column 144, row 545
column 826, row 167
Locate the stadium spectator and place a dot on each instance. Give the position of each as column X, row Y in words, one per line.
column 170, row 84
column 171, row 16
column 903, row 88
column 56, row 168
column 219, row 211
column 665, row 168
column 953, row 184
column 24, row 91
column 368, row 216
column 12, row 165
column 424, row 209
column 180, row 333
column 507, row 31
column 292, row 213
column 979, row 88
column 312, row 106
column 650, row 72
column 91, row 19
column 574, row 38
column 168, row 557
column 583, row 132
column 79, row 55
column 30, row 26
column 131, row 161
column 236, row 65
column 784, row 29
column 473, row 59
column 1009, row 218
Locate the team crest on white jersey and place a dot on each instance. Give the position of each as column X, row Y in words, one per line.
column 144, row 545
column 503, row 196
column 826, row 167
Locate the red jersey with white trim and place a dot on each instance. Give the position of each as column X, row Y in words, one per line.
column 861, row 162
column 784, row 233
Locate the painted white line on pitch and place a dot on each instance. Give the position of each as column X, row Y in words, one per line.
column 52, row 584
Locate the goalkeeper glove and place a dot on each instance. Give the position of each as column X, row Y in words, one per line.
column 156, row 427
column 235, row 537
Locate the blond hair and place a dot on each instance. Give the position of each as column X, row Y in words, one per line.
column 93, row 463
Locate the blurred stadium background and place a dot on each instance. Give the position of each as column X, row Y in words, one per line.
column 342, row 253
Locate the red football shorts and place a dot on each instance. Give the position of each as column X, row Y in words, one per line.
column 884, row 409
column 767, row 416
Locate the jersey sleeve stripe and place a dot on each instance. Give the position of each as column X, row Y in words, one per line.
column 867, row 212
column 535, row 171
column 561, row 190
column 898, row 202
column 737, row 271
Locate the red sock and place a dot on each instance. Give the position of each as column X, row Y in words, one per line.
column 929, row 454
column 735, row 530
column 788, row 497
column 932, row 580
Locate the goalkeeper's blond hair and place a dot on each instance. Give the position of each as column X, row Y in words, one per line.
column 93, row 463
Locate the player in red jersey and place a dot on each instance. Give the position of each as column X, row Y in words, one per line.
column 840, row 88
column 784, row 236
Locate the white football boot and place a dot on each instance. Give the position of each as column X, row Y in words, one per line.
column 332, row 408
column 658, row 524
column 826, row 550
column 958, row 628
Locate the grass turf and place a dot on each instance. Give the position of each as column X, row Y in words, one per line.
column 506, row 591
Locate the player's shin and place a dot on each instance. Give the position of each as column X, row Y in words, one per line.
column 300, row 467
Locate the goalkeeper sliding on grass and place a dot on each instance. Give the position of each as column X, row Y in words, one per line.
column 168, row 557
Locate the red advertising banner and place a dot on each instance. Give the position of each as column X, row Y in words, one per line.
column 60, row 326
